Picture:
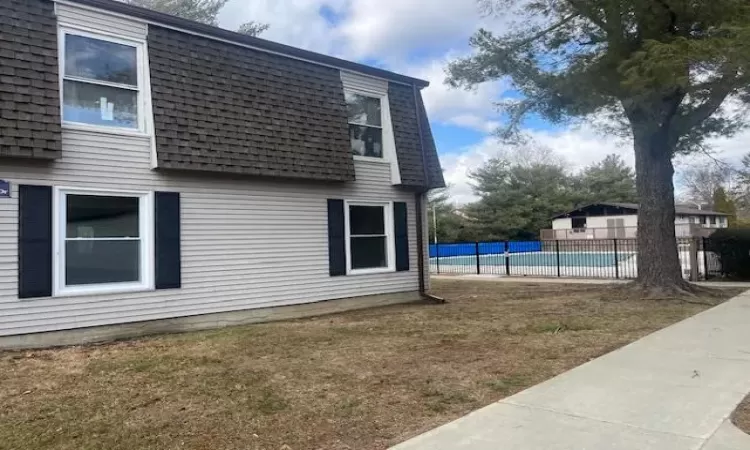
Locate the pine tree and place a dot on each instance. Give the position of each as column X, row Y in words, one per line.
column 608, row 180
column 661, row 68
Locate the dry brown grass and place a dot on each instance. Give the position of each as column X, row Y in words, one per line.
column 741, row 416
column 359, row 380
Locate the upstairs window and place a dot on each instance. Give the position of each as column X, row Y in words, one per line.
column 365, row 124
column 101, row 81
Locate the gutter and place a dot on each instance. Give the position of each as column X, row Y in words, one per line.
column 418, row 201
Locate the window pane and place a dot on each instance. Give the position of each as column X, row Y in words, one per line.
column 94, row 262
column 368, row 252
column 93, row 216
column 362, row 109
column 366, row 220
column 100, row 60
column 99, row 105
column 366, row 141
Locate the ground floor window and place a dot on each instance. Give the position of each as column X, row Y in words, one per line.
column 104, row 241
column 370, row 244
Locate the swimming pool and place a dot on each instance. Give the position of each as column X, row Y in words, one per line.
column 543, row 259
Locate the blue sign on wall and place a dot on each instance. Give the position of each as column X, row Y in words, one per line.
column 4, row 189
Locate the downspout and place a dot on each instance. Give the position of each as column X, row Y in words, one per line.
column 418, row 201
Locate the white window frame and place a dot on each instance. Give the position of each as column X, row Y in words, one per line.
column 146, row 235
column 357, row 83
column 389, row 238
column 383, row 98
column 143, row 90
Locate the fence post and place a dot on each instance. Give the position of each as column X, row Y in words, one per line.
column 694, row 259
column 705, row 258
column 617, row 262
column 476, row 246
column 557, row 252
column 507, row 258
column 437, row 256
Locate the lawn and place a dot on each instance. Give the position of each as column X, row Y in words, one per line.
column 361, row 380
column 742, row 416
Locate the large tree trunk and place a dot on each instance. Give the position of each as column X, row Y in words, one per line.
column 659, row 269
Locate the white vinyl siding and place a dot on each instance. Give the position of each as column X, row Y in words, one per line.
column 100, row 21
column 364, row 83
column 246, row 242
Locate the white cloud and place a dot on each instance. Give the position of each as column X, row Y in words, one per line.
column 385, row 30
column 475, row 122
column 293, row 22
column 394, row 27
column 578, row 147
column 474, row 109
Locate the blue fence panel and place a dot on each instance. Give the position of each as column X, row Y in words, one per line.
column 485, row 248
column 525, row 246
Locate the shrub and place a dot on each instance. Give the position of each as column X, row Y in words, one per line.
column 732, row 246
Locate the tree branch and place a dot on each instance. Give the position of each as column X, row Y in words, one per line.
column 579, row 6
column 565, row 20
column 724, row 87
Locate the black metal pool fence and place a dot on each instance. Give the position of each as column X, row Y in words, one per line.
column 586, row 258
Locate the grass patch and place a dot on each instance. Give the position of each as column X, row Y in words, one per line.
column 509, row 384
column 360, row 380
column 560, row 327
column 741, row 416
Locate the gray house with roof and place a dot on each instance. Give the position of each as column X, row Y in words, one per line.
column 164, row 174
column 611, row 220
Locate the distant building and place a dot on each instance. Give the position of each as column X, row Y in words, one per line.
column 606, row 220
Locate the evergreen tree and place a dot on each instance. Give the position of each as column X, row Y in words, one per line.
column 610, row 180
column 662, row 68
column 517, row 200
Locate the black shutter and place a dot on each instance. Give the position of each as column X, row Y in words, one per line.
column 336, row 238
column 401, row 232
column 167, row 240
column 34, row 241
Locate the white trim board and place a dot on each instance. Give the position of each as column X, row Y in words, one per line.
column 390, row 237
column 374, row 87
column 146, row 248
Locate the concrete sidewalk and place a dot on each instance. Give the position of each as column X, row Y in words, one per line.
column 673, row 389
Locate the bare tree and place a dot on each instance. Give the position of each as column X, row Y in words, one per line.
column 702, row 181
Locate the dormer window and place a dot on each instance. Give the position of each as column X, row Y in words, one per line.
column 365, row 124
column 101, row 81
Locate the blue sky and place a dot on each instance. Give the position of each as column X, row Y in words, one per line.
column 418, row 38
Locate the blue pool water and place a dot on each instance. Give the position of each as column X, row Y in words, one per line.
column 545, row 259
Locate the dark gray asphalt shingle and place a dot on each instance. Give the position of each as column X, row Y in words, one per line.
column 220, row 107
column 29, row 85
column 404, row 107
